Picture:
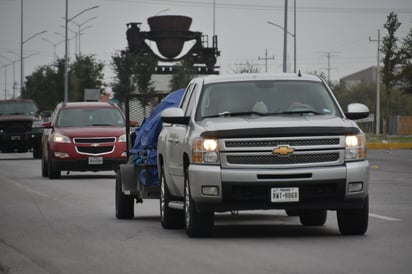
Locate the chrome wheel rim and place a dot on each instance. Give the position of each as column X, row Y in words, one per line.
column 187, row 205
column 162, row 197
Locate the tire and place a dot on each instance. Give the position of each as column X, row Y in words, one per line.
column 197, row 224
column 313, row 217
column 354, row 221
column 169, row 217
column 52, row 173
column 124, row 203
column 44, row 168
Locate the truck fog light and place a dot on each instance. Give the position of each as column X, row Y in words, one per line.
column 355, row 187
column 124, row 154
column 210, row 157
column 210, row 190
column 61, row 155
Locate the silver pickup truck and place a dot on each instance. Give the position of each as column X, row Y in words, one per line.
column 262, row 141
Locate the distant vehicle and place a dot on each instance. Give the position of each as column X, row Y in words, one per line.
column 83, row 136
column 262, row 141
column 20, row 127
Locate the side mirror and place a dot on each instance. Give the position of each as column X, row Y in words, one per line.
column 357, row 111
column 174, row 116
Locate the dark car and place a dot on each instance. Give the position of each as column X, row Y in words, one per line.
column 20, row 127
column 83, row 136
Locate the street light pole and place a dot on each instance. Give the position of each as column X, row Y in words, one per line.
column 378, row 82
column 285, row 37
column 66, row 21
column 21, row 47
column 79, row 27
column 294, row 39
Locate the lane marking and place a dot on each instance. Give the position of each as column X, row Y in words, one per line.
column 386, row 218
column 28, row 189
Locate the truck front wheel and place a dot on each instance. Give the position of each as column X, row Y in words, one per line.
column 169, row 217
column 124, row 203
column 354, row 221
column 197, row 224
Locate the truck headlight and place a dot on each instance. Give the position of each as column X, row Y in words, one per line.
column 59, row 138
column 355, row 147
column 205, row 151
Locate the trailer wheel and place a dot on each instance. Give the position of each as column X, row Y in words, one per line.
column 169, row 217
column 124, row 203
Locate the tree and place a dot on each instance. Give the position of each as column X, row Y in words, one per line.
column 390, row 60
column 41, row 87
column 246, row 68
column 85, row 73
column 182, row 76
column 46, row 84
column 406, row 64
column 133, row 74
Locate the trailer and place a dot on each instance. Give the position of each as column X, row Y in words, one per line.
column 138, row 179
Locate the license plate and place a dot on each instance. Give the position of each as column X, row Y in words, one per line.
column 285, row 194
column 15, row 138
column 95, row 160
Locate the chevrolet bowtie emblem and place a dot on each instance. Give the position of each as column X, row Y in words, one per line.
column 283, row 150
column 95, row 145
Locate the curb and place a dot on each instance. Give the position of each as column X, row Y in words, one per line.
column 389, row 146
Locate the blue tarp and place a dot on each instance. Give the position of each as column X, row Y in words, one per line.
column 144, row 150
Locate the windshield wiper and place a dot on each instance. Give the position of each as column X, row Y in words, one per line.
column 102, row 125
column 299, row 112
column 231, row 114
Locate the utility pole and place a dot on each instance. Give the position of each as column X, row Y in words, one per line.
column 378, row 82
column 329, row 54
column 266, row 59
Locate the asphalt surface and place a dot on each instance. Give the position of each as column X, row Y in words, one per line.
column 69, row 226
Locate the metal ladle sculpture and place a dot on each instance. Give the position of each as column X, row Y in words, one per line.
column 170, row 32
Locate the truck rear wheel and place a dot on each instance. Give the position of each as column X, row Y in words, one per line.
column 197, row 224
column 354, row 221
column 313, row 217
column 169, row 217
column 124, row 203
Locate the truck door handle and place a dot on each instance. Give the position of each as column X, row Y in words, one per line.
column 172, row 140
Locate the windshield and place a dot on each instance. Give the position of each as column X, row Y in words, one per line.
column 83, row 117
column 266, row 98
column 18, row 108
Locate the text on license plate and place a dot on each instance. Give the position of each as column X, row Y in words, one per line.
column 285, row 194
column 95, row 160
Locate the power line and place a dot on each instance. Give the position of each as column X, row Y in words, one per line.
column 310, row 9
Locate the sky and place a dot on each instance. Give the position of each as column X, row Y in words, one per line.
column 332, row 36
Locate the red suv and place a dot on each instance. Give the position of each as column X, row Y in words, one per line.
column 83, row 136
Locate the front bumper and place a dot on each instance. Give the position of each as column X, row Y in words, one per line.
column 20, row 140
column 83, row 164
column 246, row 189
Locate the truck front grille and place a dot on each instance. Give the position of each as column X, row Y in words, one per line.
column 282, row 160
column 274, row 143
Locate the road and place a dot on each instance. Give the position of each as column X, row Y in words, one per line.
column 69, row 226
